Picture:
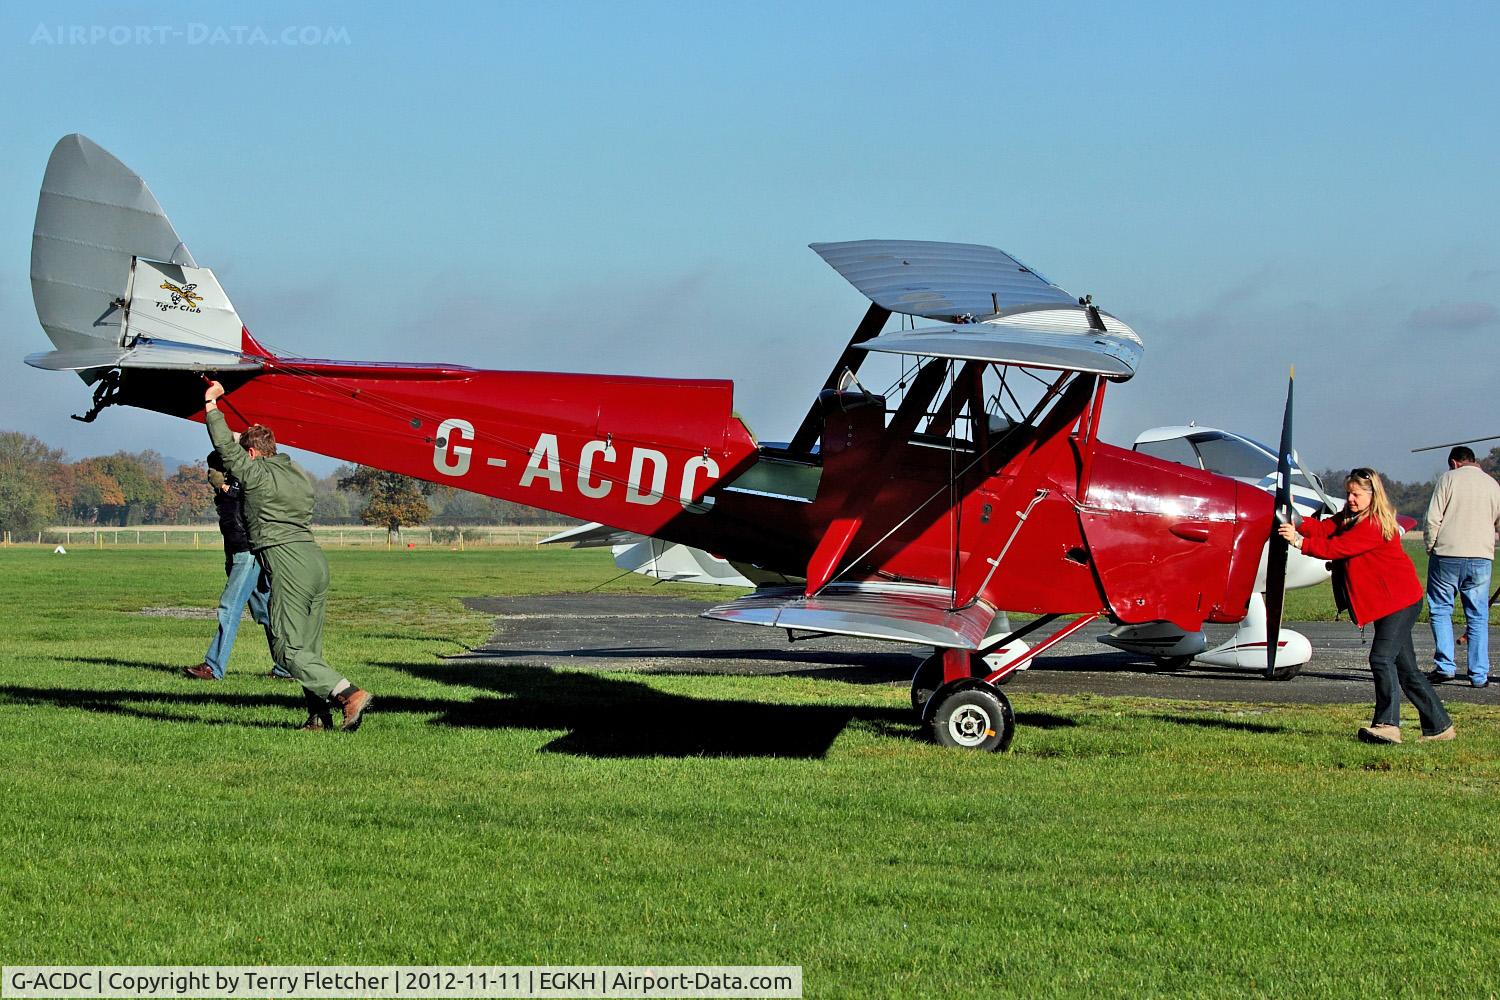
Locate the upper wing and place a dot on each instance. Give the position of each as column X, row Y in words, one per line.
column 1039, row 339
column 942, row 281
column 995, row 308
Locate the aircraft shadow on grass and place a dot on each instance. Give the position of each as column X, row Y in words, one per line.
column 610, row 716
column 855, row 666
column 115, row 661
column 848, row 666
column 602, row 716
column 157, row 706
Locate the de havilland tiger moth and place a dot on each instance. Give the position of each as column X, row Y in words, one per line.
column 915, row 515
column 1224, row 452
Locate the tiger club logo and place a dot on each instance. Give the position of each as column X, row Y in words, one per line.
column 184, row 298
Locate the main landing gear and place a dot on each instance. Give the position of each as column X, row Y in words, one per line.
column 956, row 691
column 970, row 712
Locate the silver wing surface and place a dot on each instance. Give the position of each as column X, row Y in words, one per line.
column 893, row 612
column 994, row 308
column 942, row 281
column 1012, row 341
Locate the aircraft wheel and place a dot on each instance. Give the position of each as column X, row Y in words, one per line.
column 974, row 718
column 1172, row 662
column 927, row 679
column 1285, row 673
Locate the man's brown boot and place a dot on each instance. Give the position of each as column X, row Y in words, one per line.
column 1380, row 733
column 353, row 702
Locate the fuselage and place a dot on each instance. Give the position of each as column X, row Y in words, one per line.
column 1045, row 519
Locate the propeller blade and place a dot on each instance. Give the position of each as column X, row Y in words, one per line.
column 1276, row 555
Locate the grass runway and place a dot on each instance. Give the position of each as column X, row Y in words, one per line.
column 1125, row 847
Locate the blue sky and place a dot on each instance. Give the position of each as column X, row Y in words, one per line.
column 630, row 187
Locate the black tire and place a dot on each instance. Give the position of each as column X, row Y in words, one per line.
column 927, row 679
column 1285, row 673
column 974, row 718
column 1172, row 662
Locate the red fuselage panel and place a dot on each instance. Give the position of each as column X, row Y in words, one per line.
column 1172, row 543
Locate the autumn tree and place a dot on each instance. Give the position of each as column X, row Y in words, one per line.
column 186, row 496
column 93, row 491
column 391, row 499
column 140, row 479
column 332, row 505
column 459, row 507
column 28, row 470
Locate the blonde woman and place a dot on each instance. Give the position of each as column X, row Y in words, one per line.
column 1364, row 542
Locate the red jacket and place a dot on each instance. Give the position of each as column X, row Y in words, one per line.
column 1378, row 573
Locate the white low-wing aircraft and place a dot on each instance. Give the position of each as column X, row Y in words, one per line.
column 1249, row 461
column 653, row 557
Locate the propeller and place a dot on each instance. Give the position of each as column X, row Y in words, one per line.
column 1276, row 554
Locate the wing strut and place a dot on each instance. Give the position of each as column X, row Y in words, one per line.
column 842, row 529
column 851, row 359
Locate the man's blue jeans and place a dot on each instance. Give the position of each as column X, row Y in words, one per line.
column 1469, row 578
column 246, row 583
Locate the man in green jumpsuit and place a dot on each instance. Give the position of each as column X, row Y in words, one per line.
column 278, row 514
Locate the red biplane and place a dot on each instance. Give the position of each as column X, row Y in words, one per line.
column 976, row 483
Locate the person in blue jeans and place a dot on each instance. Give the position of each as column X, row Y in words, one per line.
column 1467, row 578
column 1462, row 519
column 245, row 583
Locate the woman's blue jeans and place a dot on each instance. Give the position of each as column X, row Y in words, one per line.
column 1393, row 661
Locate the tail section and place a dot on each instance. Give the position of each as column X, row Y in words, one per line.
column 128, row 308
column 114, row 285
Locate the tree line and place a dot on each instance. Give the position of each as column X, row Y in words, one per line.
column 1408, row 498
column 39, row 488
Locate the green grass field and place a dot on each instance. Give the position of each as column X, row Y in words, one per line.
column 1125, row 847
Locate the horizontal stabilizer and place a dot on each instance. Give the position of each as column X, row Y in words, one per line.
column 918, row 615
column 952, row 282
column 1059, row 339
column 161, row 356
